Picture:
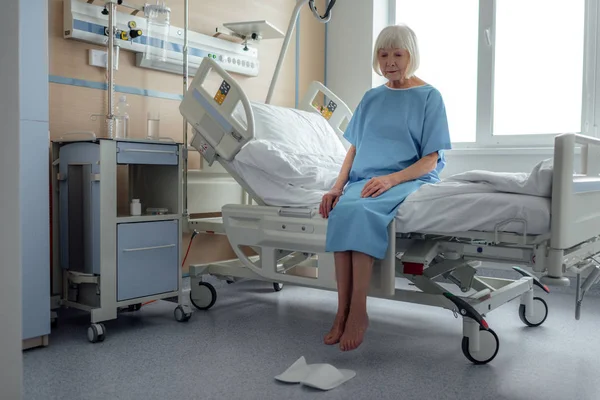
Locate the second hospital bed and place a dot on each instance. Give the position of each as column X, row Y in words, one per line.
column 546, row 221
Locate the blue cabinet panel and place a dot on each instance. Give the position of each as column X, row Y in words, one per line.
column 147, row 259
column 147, row 153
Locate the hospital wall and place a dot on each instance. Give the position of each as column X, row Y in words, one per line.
column 72, row 104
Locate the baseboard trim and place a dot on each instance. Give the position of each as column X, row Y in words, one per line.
column 40, row 341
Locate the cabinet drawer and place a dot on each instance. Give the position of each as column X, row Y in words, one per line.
column 147, row 153
column 147, row 259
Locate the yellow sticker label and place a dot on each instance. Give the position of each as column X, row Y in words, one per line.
column 222, row 92
column 327, row 112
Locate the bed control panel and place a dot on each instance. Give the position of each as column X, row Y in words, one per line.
column 222, row 92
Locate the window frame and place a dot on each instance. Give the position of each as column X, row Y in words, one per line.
column 590, row 113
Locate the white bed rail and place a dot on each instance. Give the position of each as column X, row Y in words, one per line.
column 333, row 109
column 216, row 130
column 575, row 197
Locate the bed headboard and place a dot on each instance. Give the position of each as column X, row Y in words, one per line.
column 333, row 109
column 216, row 130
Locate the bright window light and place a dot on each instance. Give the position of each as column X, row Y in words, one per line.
column 447, row 33
column 538, row 74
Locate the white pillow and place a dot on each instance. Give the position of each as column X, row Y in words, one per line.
column 293, row 147
column 293, row 131
column 311, row 171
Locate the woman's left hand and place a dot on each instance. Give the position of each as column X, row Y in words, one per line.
column 377, row 186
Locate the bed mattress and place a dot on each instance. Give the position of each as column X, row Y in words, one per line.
column 446, row 207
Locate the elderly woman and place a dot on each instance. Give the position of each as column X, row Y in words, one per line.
column 397, row 135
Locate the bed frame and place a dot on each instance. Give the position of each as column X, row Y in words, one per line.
column 440, row 269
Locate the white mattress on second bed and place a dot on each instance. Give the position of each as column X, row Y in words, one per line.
column 446, row 207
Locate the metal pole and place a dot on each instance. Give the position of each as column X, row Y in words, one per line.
column 284, row 48
column 185, row 123
column 112, row 10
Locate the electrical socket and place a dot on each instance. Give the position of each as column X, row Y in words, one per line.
column 99, row 58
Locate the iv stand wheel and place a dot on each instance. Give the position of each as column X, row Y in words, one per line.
column 96, row 333
column 277, row 286
column 489, row 344
column 540, row 313
column 203, row 296
column 182, row 313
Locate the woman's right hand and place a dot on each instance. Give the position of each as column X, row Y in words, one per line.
column 329, row 201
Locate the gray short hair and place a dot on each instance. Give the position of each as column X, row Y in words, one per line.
column 398, row 37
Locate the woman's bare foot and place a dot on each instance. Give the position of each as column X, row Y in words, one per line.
column 337, row 329
column 354, row 331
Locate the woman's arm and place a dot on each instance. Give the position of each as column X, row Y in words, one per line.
column 376, row 186
column 345, row 171
column 330, row 199
column 422, row 167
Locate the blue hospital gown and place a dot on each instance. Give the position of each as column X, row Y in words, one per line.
column 391, row 130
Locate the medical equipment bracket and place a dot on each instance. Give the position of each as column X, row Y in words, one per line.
column 86, row 22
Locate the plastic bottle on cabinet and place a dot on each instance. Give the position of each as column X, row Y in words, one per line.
column 122, row 119
column 135, row 207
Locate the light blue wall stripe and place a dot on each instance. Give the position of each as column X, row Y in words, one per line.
column 298, row 61
column 118, row 88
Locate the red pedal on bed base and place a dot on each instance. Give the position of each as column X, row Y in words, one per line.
column 413, row 268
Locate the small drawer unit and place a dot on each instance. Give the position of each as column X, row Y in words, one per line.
column 147, row 153
column 147, row 258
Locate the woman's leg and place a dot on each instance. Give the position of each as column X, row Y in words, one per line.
column 343, row 276
column 357, row 321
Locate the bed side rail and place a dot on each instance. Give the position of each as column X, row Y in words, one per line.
column 216, row 131
column 333, row 109
column 575, row 196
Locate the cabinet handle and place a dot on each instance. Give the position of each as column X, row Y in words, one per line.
column 166, row 246
column 148, row 151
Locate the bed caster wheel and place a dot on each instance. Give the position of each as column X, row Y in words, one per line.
column 182, row 313
column 488, row 347
column 277, row 286
column 540, row 313
column 203, row 296
column 96, row 333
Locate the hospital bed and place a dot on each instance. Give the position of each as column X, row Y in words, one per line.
column 543, row 229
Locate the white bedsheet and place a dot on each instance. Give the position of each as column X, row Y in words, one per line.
column 465, row 202
column 296, row 158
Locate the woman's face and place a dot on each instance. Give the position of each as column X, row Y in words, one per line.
column 393, row 63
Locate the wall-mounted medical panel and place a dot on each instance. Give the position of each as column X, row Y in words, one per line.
column 87, row 23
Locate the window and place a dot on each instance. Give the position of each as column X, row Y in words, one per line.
column 453, row 72
column 511, row 72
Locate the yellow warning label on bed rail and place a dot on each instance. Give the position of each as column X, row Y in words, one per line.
column 328, row 111
column 222, row 92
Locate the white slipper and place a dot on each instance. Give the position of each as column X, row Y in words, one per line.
column 295, row 373
column 318, row 376
column 326, row 376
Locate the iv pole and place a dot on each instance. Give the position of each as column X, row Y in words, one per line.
column 185, row 123
column 288, row 36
